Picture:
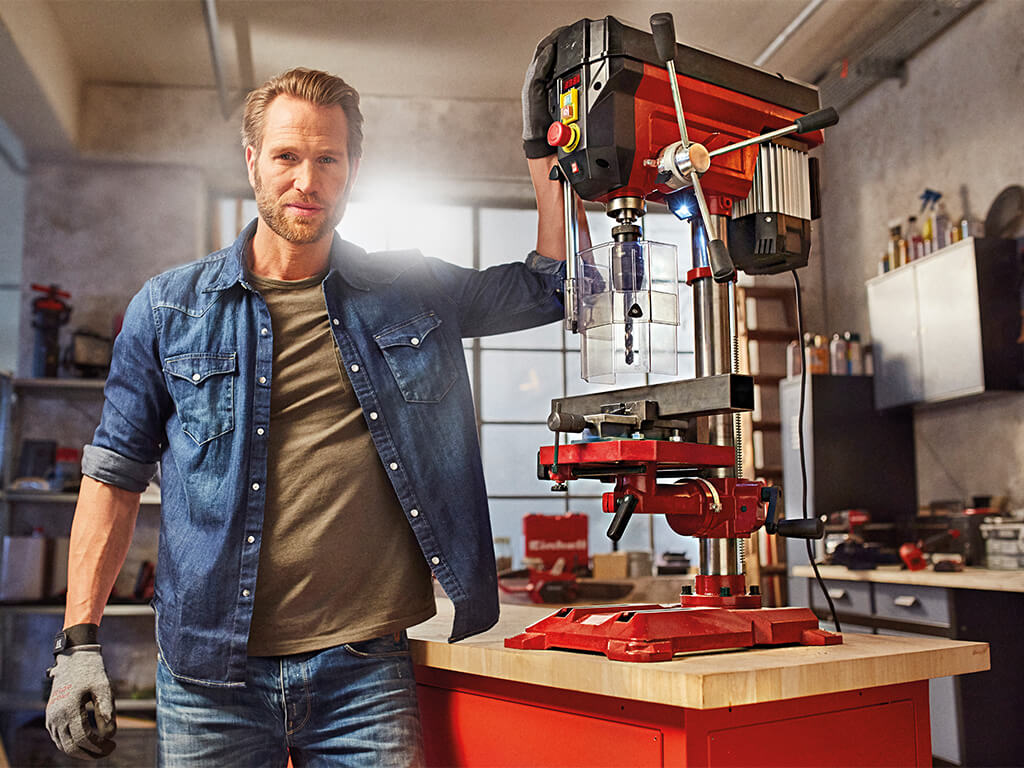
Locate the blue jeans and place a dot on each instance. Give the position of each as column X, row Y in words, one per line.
column 351, row 705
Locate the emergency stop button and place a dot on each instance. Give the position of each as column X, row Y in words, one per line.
column 565, row 136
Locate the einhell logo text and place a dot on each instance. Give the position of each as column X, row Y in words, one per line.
column 539, row 544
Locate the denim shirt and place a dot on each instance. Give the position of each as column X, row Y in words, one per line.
column 189, row 386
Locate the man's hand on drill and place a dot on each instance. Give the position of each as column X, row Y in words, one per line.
column 79, row 676
column 536, row 117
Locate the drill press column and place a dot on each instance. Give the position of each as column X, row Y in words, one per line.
column 714, row 317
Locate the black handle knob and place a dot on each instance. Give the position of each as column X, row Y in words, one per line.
column 566, row 422
column 664, row 31
column 815, row 121
column 722, row 268
column 623, row 511
column 770, row 495
column 811, row 528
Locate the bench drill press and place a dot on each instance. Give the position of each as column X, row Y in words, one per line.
column 738, row 156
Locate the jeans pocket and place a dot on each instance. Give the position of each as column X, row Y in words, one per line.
column 394, row 644
column 202, row 386
column 418, row 356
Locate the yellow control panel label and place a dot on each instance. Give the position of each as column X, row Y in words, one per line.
column 570, row 106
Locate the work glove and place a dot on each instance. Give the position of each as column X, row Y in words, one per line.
column 79, row 676
column 536, row 117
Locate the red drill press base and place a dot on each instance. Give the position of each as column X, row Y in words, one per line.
column 654, row 632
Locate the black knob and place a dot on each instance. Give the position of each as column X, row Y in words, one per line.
column 815, row 121
column 664, row 31
column 566, row 422
column 811, row 528
column 623, row 511
column 722, row 268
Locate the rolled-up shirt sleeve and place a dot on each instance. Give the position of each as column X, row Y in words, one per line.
column 126, row 446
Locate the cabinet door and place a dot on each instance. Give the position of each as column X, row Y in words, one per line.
column 892, row 311
column 947, row 296
column 944, row 712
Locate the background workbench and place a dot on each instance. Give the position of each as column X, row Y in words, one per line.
column 975, row 718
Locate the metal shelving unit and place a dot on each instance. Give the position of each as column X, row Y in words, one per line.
column 17, row 399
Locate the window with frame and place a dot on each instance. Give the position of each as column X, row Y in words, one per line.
column 515, row 376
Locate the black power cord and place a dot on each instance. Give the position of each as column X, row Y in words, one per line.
column 800, row 443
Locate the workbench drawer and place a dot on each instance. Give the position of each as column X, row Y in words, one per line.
column 850, row 597
column 922, row 605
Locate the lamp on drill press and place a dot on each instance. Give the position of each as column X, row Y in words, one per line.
column 674, row 448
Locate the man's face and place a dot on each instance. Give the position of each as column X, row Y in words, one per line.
column 301, row 176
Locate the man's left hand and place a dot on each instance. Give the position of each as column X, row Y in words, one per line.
column 536, row 117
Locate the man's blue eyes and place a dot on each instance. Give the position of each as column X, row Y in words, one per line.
column 290, row 157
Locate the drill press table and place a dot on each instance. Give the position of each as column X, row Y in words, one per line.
column 861, row 703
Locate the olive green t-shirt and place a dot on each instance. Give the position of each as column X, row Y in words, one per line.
column 338, row 560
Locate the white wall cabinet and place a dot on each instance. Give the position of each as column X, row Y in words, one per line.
column 946, row 326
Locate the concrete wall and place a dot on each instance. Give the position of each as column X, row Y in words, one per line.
column 99, row 231
column 956, row 122
column 424, row 148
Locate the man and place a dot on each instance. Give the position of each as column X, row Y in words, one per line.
column 309, row 407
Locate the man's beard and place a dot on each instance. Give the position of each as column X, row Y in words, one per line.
column 295, row 229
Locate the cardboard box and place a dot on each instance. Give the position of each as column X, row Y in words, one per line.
column 611, row 565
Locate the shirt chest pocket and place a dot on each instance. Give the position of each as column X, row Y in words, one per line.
column 203, row 389
column 419, row 358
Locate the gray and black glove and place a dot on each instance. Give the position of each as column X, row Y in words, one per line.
column 536, row 117
column 78, row 677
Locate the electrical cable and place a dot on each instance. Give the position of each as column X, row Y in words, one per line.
column 800, row 443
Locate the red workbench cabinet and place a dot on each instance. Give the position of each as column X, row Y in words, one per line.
column 472, row 720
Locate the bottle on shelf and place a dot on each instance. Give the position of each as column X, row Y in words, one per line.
column 837, row 356
column 915, row 241
column 896, row 250
column 943, row 226
column 817, row 355
column 854, row 353
column 929, row 236
column 970, row 225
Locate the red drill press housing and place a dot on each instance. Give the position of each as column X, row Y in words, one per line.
column 611, row 84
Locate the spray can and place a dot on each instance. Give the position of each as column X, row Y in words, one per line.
column 837, row 356
column 854, row 353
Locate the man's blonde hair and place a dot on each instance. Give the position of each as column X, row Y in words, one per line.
column 314, row 86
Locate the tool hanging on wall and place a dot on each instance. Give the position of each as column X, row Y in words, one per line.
column 49, row 313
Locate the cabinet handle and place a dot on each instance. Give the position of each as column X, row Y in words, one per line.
column 837, row 594
column 905, row 601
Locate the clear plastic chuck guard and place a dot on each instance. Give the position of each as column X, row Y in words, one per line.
column 628, row 303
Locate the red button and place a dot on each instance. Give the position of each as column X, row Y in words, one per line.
column 559, row 134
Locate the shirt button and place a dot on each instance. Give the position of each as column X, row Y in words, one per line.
column 414, row 513
column 264, row 331
column 263, row 379
column 196, row 377
column 335, row 321
column 354, row 368
column 255, row 486
column 393, row 466
column 245, row 593
column 414, row 341
column 373, row 415
column 435, row 560
column 260, row 430
column 251, row 539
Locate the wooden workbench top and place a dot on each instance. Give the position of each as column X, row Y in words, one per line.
column 968, row 578
column 704, row 680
